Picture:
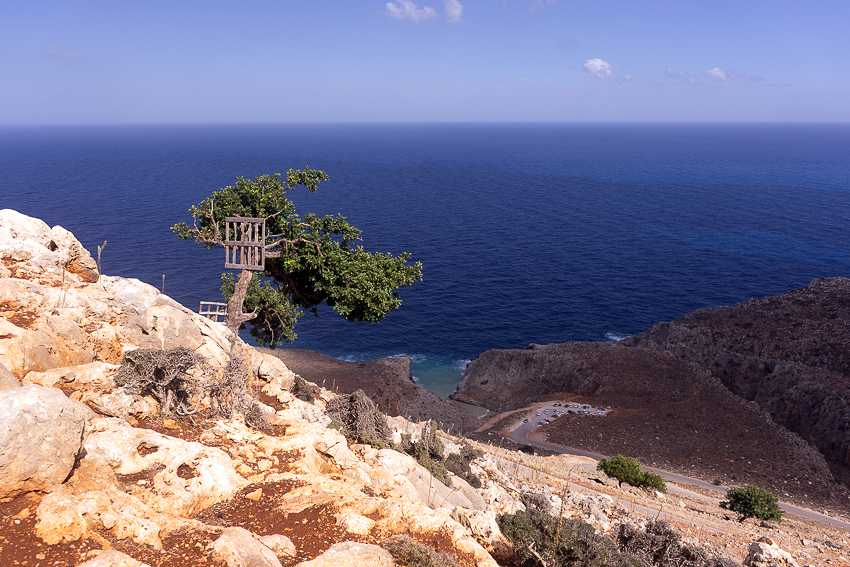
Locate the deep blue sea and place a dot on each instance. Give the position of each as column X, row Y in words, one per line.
column 526, row 232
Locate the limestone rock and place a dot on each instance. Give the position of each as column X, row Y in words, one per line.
column 239, row 548
column 351, row 554
column 194, row 476
column 65, row 516
column 93, row 374
column 766, row 553
column 41, row 433
column 7, row 379
column 281, row 545
column 112, row 558
column 272, row 370
column 47, row 252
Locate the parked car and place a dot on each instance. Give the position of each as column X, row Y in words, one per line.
column 525, row 420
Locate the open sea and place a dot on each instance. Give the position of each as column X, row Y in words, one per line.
column 527, row 232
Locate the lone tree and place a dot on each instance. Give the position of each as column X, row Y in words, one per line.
column 308, row 260
column 753, row 502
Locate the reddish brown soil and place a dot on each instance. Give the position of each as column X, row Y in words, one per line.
column 312, row 531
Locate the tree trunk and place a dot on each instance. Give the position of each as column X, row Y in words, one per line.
column 235, row 317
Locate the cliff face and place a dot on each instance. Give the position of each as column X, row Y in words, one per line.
column 387, row 382
column 788, row 353
column 715, row 393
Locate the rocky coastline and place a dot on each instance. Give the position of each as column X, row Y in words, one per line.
column 95, row 474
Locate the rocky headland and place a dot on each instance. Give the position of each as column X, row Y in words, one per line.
column 755, row 393
column 96, row 474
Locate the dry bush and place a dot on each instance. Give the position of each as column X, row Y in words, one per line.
column 361, row 421
column 660, row 546
column 408, row 552
column 165, row 374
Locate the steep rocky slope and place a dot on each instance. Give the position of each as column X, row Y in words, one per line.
column 666, row 411
column 788, row 353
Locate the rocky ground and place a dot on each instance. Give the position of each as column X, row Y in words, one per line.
column 94, row 474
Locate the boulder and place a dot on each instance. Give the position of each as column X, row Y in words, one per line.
column 7, row 379
column 240, row 548
column 405, row 470
column 112, row 558
column 351, row 554
column 35, row 250
column 281, row 545
column 41, row 433
column 766, row 553
column 193, row 476
column 93, row 374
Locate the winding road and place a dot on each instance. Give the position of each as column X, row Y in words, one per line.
column 520, row 435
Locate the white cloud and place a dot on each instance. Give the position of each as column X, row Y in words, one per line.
column 408, row 10
column 68, row 58
column 714, row 76
column 598, row 67
column 716, row 73
column 537, row 5
column 454, row 11
column 529, row 81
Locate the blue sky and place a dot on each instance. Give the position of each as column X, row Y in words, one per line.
column 433, row 60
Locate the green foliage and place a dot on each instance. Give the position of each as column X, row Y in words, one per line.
column 408, row 552
column 360, row 420
column 302, row 390
column 429, row 452
column 310, row 260
column 659, row 545
column 458, row 463
column 627, row 469
column 753, row 502
column 533, row 534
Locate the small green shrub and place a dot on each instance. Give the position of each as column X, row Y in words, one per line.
column 627, row 469
column 717, row 482
column 753, row 502
column 458, row 463
column 302, row 390
column 429, row 452
column 408, row 552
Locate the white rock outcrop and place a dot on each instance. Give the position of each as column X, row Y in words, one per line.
column 239, row 548
column 766, row 553
column 41, row 433
column 351, row 554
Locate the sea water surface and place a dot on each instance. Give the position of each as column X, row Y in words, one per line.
column 528, row 233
